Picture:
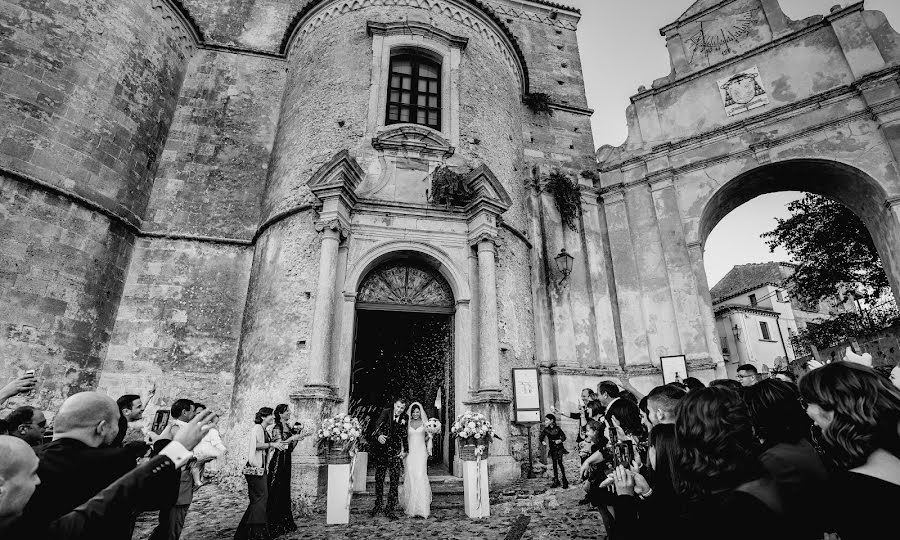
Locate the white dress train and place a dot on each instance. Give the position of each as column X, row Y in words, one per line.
column 416, row 496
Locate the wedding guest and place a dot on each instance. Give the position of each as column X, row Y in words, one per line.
column 747, row 375
column 28, row 424
column 19, row 385
column 721, row 476
column 583, row 415
column 254, row 524
column 786, row 376
column 859, row 414
column 19, row 478
column 78, row 463
column 693, row 383
column 131, row 425
column 279, row 511
column 607, row 393
column 661, row 403
column 171, row 518
column 552, row 436
column 643, row 405
column 782, row 427
column 731, row 384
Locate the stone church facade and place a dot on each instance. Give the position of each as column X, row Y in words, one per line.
column 215, row 196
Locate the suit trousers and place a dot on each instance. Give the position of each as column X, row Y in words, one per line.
column 381, row 467
column 171, row 522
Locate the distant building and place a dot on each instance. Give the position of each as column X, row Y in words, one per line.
column 756, row 317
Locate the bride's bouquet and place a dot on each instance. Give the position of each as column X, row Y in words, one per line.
column 341, row 431
column 473, row 426
column 433, row 426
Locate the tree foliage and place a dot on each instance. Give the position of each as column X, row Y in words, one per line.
column 834, row 251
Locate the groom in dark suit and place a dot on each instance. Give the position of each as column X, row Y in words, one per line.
column 388, row 450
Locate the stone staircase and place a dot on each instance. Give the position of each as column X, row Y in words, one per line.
column 446, row 494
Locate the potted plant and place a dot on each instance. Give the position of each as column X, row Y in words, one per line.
column 339, row 437
column 474, row 433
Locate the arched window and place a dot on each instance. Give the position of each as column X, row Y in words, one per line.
column 414, row 92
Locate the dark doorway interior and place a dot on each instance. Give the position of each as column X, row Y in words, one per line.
column 408, row 354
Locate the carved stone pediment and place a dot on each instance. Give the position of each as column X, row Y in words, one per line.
column 488, row 192
column 338, row 178
column 411, row 139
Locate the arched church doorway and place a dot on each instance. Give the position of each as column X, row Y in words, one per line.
column 758, row 326
column 404, row 347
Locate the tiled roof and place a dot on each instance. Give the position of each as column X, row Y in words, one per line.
column 746, row 277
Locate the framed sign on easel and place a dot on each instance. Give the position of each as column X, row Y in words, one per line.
column 527, row 403
column 674, row 368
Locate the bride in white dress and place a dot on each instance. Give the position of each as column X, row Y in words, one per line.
column 416, row 496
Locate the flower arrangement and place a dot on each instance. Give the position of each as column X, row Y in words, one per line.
column 341, row 431
column 473, row 426
column 433, row 426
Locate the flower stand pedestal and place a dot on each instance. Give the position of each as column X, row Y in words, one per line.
column 340, row 488
column 360, row 470
column 475, row 479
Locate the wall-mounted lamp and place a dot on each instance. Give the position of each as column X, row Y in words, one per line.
column 564, row 264
column 736, row 331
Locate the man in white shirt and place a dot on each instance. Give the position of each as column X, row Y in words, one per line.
column 171, row 520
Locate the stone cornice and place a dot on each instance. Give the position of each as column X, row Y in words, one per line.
column 405, row 138
column 538, row 13
column 583, row 111
column 416, row 28
column 760, row 149
column 726, row 308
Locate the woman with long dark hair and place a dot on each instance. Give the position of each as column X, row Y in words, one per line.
column 720, row 476
column 279, row 510
column 783, row 430
column 859, row 414
column 254, row 524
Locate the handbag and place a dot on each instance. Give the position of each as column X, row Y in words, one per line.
column 250, row 470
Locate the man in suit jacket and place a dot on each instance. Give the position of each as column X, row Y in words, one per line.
column 19, row 478
column 388, row 450
column 74, row 466
column 171, row 519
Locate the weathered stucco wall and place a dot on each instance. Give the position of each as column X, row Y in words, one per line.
column 822, row 78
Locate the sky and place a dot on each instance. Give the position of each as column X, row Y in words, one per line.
column 621, row 49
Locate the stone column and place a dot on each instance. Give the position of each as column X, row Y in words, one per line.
column 488, row 324
column 704, row 300
column 323, row 321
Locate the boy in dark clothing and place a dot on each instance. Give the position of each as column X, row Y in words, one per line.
column 553, row 437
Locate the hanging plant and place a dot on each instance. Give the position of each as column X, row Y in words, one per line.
column 590, row 174
column 539, row 103
column 449, row 188
column 567, row 195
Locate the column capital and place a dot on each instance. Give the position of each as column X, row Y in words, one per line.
column 334, row 224
column 485, row 241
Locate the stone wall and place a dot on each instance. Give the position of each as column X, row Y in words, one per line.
column 62, row 267
column 215, row 162
column 84, row 114
column 179, row 322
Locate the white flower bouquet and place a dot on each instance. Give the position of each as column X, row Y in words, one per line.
column 341, row 433
column 433, row 426
column 473, row 426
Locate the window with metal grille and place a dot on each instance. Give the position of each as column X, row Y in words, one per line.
column 414, row 93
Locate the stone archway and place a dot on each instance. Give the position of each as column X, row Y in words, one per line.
column 403, row 345
column 846, row 184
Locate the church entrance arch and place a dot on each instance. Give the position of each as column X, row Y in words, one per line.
column 404, row 346
column 846, row 184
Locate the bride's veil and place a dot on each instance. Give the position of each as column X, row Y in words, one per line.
column 423, row 416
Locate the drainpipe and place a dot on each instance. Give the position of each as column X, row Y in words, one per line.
column 781, row 336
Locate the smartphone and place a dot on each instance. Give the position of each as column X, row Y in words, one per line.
column 30, row 373
column 624, row 454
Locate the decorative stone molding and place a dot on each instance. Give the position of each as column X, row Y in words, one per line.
column 481, row 20
column 413, row 139
column 416, row 28
column 547, row 18
column 178, row 19
column 335, row 185
column 333, row 225
column 489, row 202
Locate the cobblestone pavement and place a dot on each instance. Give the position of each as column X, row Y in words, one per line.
column 544, row 515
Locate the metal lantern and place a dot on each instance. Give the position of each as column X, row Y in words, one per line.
column 564, row 263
